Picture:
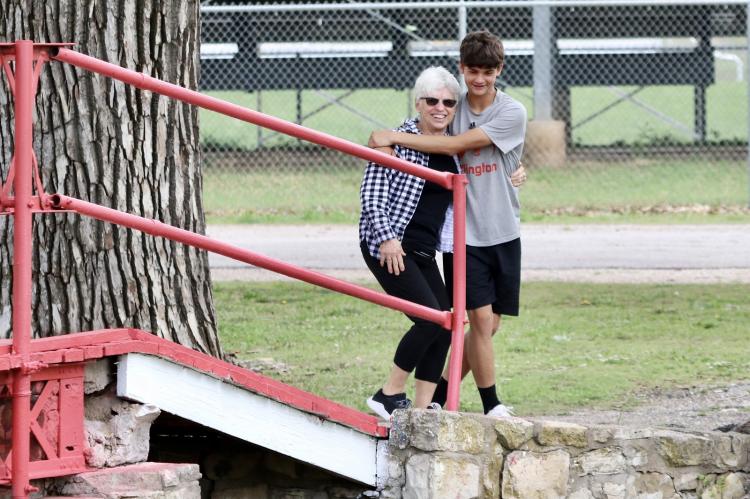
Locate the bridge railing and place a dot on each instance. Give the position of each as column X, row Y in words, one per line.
column 28, row 59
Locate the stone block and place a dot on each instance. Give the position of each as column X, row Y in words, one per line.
column 97, row 375
column 727, row 486
column 685, row 481
column 492, row 468
column 117, row 431
column 683, row 449
column 731, row 450
column 655, row 485
column 614, row 490
column 447, row 431
column 545, row 143
column 637, row 456
column 606, row 461
column 554, row 433
column 581, row 494
column 400, row 429
column 629, row 433
column 601, row 434
column 513, row 433
column 735, row 486
column 432, row 476
column 530, row 475
column 147, row 480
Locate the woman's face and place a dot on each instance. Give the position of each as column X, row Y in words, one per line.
column 435, row 111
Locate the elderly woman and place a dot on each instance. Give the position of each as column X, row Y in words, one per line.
column 400, row 230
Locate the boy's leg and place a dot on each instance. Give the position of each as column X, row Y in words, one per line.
column 479, row 349
column 498, row 267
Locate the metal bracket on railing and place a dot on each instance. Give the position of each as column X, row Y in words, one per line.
column 7, row 55
column 32, row 366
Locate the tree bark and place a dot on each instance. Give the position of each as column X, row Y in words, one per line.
column 105, row 142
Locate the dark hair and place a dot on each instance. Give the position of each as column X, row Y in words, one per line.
column 482, row 49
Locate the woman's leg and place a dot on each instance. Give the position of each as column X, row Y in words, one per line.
column 411, row 285
column 431, row 363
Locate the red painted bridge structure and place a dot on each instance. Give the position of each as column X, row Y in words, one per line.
column 43, row 378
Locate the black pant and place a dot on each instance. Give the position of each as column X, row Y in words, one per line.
column 425, row 345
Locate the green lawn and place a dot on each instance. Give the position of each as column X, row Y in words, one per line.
column 284, row 185
column 641, row 191
column 574, row 345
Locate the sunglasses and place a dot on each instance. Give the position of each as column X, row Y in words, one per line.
column 432, row 101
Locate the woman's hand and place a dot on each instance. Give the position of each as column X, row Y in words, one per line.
column 518, row 178
column 392, row 256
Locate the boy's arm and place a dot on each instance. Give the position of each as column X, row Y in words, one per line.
column 437, row 144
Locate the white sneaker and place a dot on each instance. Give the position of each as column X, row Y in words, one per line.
column 435, row 406
column 500, row 411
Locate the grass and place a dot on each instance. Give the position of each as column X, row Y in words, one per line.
column 282, row 197
column 641, row 191
column 283, row 185
column 574, row 345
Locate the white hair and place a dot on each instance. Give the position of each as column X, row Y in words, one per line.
column 435, row 78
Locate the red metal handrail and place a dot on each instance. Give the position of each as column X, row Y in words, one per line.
column 156, row 228
column 455, row 182
column 146, row 82
column 23, row 85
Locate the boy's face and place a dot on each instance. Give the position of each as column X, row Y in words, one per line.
column 479, row 80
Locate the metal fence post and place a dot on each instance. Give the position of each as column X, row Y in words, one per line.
column 462, row 33
column 542, row 32
column 747, row 88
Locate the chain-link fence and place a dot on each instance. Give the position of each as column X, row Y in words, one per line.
column 633, row 108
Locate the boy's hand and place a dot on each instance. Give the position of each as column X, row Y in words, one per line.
column 387, row 150
column 380, row 138
column 518, row 178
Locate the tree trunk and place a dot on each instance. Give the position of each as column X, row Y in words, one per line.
column 105, row 142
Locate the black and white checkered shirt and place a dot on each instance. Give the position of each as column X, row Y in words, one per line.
column 389, row 198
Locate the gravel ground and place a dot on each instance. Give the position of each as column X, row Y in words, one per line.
column 696, row 408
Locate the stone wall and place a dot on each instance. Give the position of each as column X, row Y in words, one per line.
column 430, row 455
column 434, row 454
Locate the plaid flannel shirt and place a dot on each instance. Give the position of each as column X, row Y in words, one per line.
column 389, row 198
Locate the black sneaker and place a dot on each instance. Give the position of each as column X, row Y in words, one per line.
column 384, row 405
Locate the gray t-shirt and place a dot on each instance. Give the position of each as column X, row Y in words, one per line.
column 493, row 213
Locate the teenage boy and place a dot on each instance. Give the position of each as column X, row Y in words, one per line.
column 487, row 134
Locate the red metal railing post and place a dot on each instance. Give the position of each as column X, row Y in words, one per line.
column 459, row 291
column 24, row 102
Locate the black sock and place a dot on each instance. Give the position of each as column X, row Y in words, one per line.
column 489, row 398
column 441, row 392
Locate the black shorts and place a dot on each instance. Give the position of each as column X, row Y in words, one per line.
column 493, row 276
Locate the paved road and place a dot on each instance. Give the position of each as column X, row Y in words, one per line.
column 599, row 253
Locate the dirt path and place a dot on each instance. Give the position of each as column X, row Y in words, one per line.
column 700, row 408
column 584, row 253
